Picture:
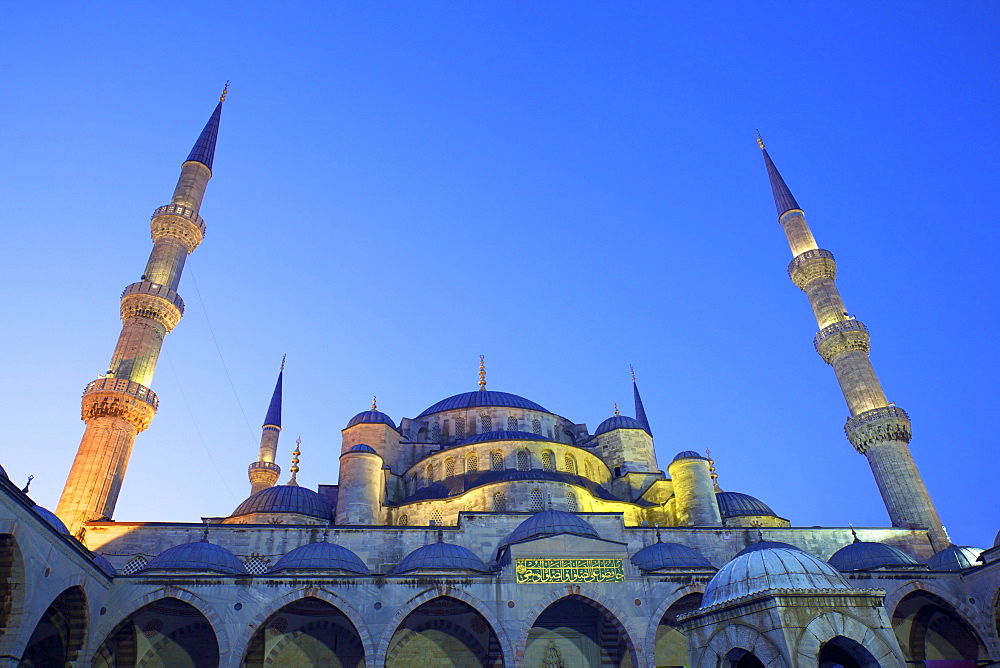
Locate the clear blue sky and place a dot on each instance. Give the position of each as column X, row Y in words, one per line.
column 567, row 188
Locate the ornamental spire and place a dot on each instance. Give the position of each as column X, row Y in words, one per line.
column 482, row 373
column 783, row 198
column 204, row 148
column 640, row 412
column 374, row 403
column 295, row 461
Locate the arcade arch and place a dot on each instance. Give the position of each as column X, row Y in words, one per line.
column 58, row 637
column 928, row 628
column 577, row 631
column 165, row 632
column 444, row 631
column 670, row 645
column 842, row 652
column 307, row 631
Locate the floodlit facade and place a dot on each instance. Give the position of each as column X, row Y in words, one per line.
column 488, row 530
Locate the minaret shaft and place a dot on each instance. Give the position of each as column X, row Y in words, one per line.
column 119, row 405
column 264, row 473
column 877, row 429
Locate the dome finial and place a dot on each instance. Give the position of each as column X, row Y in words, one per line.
column 617, row 412
column 711, row 470
column 374, row 403
column 482, row 373
column 24, row 490
column 760, row 142
column 225, row 91
column 282, row 362
column 295, row 461
column 633, row 372
column 760, row 535
column 855, row 534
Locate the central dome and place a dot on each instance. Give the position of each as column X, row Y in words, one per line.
column 286, row 499
column 482, row 398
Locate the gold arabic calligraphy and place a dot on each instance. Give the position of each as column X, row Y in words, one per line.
column 537, row 571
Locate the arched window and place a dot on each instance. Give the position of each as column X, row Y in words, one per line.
column 570, row 464
column 134, row 565
column 402, row 521
column 485, row 423
column 571, row 505
column 547, row 461
column 437, row 518
column 588, row 470
column 429, row 472
column 511, row 423
column 523, row 460
column 499, row 502
column 436, row 432
column 256, row 564
column 460, row 427
column 536, row 426
column 549, row 432
column 537, row 501
column 496, row 460
column 449, row 467
column 472, row 462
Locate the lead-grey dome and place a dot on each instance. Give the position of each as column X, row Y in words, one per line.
column 51, row 519
column 482, row 398
column 286, row 499
column 775, row 568
column 765, row 545
column 734, row 504
column 362, row 447
column 669, row 555
column 371, row 417
column 441, row 556
column 862, row 555
column 688, row 454
column 996, row 541
column 617, row 422
column 321, row 556
column 955, row 558
column 550, row 523
column 200, row 556
column 101, row 562
column 3, row 474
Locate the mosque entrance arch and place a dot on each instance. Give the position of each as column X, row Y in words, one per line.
column 741, row 658
column 928, row 628
column 671, row 645
column 306, row 632
column 166, row 632
column 576, row 631
column 58, row 637
column 444, row 632
column 841, row 652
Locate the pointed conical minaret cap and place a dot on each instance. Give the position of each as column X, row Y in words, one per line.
column 273, row 417
column 204, row 148
column 783, row 199
column 640, row 411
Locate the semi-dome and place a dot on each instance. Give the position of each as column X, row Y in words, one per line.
column 617, row 422
column 441, row 556
column 321, row 556
column 200, row 556
column 955, row 558
column 765, row 545
column 550, row 523
column 362, row 447
column 688, row 454
column 482, row 398
column 371, row 417
column 504, row 435
column 669, row 555
column 734, row 504
column 51, row 519
column 101, row 562
column 775, row 568
column 862, row 555
column 286, row 499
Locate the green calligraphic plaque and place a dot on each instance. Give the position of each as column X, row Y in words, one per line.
column 539, row 571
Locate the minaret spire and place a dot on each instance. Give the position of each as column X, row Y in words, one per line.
column 119, row 404
column 876, row 428
column 640, row 412
column 264, row 473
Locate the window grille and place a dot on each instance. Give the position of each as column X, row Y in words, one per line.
column 449, row 467
column 523, row 460
column 460, row 427
column 435, row 432
column 402, row 521
column 547, row 461
column 537, row 501
column 536, row 426
column 570, row 464
column 511, row 423
column 588, row 470
column 485, row 423
column 496, row 459
column 256, row 565
column 571, row 504
column 134, row 565
column 437, row 517
column 429, row 472
column 472, row 462
column 499, row 502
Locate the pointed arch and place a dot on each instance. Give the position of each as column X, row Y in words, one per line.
column 662, row 621
column 60, row 633
column 873, row 646
column 735, row 643
column 928, row 626
column 964, row 612
column 444, row 591
column 12, row 590
column 661, row 609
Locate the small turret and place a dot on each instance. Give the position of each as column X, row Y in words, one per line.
column 694, row 492
column 359, row 500
column 264, row 472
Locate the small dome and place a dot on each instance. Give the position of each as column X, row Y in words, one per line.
column 734, row 504
column 688, row 454
column 955, row 558
column 441, row 556
column 371, row 417
column 996, row 541
column 3, row 474
column 286, row 499
column 765, row 545
column 51, row 518
column 669, row 555
column 200, row 556
column 501, row 435
column 321, row 556
column 550, row 523
column 862, row 556
column 104, row 565
column 482, row 398
column 362, row 447
column 774, row 568
column 617, row 422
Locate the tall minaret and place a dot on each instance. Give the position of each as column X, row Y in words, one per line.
column 264, row 472
column 119, row 404
column 640, row 411
column 876, row 428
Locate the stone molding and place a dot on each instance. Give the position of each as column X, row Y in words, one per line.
column 841, row 337
column 878, row 425
column 180, row 222
column 808, row 266
column 154, row 301
column 120, row 398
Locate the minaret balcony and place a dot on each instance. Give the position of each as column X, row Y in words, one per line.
column 123, row 386
column 119, row 398
column 178, row 222
column 808, row 266
column 183, row 212
column 841, row 337
column 154, row 301
column 878, row 425
column 156, row 289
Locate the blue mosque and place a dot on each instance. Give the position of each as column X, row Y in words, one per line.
column 488, row 530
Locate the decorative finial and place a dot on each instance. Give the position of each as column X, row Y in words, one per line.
column 225, row 91
column 28, row 484
column 204, row 536
column 760, row 535
column 855, row 534
column 295, row 461
column 711, row 470
column 633, row 372
column 658, row 538
column 617, row 412
column 374, row 403
column 440, row 535
column 482, row 373
column 283, row 362
column 760, row 142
